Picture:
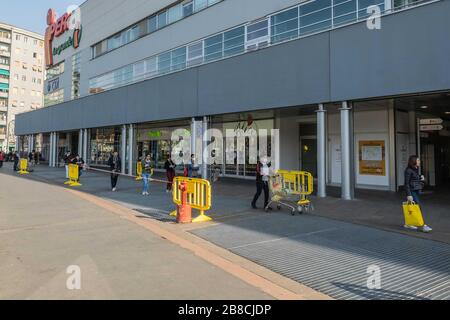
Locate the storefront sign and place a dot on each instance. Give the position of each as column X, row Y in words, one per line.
column 52, row 85
column 431, row 121
column 434, row 127
column 155, row 134
column 372, row 158
column 57, row 28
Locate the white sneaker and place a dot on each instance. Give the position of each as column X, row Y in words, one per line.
column 144, row 193
column 114, row 189
column 410, row 227
column 426, row 229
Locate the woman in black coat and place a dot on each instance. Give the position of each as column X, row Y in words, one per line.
column 414, row 183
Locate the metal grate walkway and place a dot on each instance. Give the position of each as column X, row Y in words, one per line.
column 333, row 257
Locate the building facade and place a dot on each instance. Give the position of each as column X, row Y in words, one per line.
column 353, row 86
column 21, row 78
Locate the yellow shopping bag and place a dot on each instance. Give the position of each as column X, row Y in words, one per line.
column 413, row 215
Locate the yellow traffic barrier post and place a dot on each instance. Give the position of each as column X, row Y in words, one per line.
column 23, row 166
column 73, row 176
column 198, row 196
column 139, row 171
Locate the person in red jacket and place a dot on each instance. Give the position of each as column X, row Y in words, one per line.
column 2, row 158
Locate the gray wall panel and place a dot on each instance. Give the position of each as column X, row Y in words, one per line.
column 278, row 76
column 408, row 55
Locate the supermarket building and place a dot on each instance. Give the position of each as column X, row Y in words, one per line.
column 351, row 99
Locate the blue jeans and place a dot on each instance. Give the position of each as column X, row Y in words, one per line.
column 416, row 196
column 146, row 179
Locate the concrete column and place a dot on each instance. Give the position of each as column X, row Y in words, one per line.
column 204, row 147
column 347, row 152
column 193, row 137
column 85, row 144
column 80, row 142
column 50, row 151
column 321, row 152
column 124, row 149
column 130, row 149
column 56, row 149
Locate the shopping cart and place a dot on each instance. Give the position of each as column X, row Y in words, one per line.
column 291, row 189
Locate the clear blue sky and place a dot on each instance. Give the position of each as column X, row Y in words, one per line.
column 31, row 14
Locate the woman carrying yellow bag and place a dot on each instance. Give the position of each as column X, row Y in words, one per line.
column 414, row 184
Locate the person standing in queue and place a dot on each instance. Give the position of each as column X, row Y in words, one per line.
column 115, row 164
column 16, row 160
column 262, row 182
column 2, row 158
column 193, row 168
column 147, row 172
column 170, row 172
column 414, row 183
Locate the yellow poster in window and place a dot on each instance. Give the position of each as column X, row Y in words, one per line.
column 372, row 158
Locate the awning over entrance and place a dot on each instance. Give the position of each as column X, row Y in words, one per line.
column 4, row 72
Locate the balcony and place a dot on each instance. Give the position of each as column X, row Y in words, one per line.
column 4, row 94
column 5, row 54
column 4, row 80
column 5, row 40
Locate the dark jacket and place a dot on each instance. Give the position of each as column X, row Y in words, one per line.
column 147, row 166
column 169, row 166
column 412, row 181
column 115, row 166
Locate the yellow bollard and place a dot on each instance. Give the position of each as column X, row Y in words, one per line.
column 139, row 171
column 74, row 176
column 23, row 167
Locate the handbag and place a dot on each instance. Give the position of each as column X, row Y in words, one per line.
column 413, row 214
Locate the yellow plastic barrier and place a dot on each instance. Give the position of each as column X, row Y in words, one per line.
column 298, row 182
column 199, row 196
column 139, row 171
column 23, row 166
column 73, row 176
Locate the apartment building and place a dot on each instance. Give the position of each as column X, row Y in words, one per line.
column 21, row 78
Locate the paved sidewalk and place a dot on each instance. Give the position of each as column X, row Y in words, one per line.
column 326, row 254
column 45, row 229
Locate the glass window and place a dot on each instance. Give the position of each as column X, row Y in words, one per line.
column 234, row 41
column 214, row 47
column 364, row 4
column 138, row 70
column 195, row 54
column 200, row 4
column 257, row 30
column 285, row 25
column 162, row 19
column 151, row 66
column 315, row 16
column 178, row 59
column 344, row 11
column 164, row 63
column 175, row 13
column 152, row 24
column 114, row 42
column 188, row 9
